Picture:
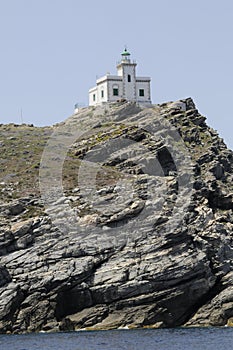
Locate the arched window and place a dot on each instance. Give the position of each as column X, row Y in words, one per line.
column 129, row 78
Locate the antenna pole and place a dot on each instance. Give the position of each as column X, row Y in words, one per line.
column 21, row 115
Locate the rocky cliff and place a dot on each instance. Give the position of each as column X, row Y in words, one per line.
column 119, row 217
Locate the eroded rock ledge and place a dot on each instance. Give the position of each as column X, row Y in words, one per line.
column 152, row 242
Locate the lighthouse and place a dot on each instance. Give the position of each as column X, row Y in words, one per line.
column 123, row 86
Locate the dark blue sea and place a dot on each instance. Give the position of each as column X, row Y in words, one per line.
column 161, row 339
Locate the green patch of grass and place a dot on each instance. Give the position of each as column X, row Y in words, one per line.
column 21, row 150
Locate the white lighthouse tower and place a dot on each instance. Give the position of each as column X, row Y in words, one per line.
column 127, row 70
column 125, row 85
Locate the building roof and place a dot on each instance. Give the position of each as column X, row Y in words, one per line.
column 125, row 53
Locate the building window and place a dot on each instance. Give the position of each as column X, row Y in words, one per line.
column 102, row 93
column 93, row 97
column 115, row 92
column 129, row 78
column 141, row 92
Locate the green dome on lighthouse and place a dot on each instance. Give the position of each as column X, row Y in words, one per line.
column 125, row 53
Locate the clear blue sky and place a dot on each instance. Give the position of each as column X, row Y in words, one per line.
column 52, row 51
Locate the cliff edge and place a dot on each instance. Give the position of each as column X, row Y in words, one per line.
column 119, row 217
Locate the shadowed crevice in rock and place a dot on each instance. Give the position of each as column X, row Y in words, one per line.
column 166, row 161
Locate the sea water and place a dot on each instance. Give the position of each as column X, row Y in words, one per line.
column 161, row 339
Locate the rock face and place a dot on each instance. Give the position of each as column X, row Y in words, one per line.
column 134, row 227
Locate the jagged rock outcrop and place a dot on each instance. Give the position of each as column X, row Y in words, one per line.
column 134, row 227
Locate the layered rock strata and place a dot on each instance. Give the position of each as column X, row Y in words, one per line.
column 135, row 232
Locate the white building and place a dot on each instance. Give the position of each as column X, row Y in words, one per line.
column 125, row 85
